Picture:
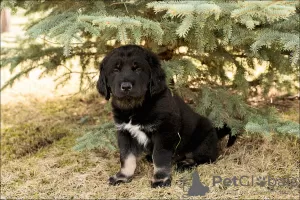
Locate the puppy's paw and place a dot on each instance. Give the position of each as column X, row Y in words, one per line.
column 166, row 182
column 118, row 178
column 149, row 158
column 185, row 165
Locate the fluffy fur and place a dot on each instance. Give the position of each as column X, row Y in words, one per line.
column 151, row 119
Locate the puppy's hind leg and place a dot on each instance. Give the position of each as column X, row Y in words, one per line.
column 207, row 151
column 187, row 163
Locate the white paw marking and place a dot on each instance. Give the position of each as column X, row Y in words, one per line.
column 129, row 165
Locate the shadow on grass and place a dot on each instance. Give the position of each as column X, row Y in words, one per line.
column 31, row 125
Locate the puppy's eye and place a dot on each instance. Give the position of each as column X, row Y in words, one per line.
column 135, row 67
column 116, row 69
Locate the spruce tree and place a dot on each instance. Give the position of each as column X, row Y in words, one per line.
column 209, row 50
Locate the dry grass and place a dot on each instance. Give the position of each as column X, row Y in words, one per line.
column 53, row 170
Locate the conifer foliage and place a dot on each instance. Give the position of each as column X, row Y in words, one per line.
column 209, row 49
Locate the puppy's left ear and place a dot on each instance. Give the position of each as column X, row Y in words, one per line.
column 102, row 86
column 157, row 76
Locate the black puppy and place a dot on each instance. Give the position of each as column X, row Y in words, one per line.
column 150, row 118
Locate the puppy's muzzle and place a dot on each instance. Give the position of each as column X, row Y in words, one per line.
column 126, row 86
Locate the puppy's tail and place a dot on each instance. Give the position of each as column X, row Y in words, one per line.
column 225, row 130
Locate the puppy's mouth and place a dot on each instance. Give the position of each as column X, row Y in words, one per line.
column 127, row 102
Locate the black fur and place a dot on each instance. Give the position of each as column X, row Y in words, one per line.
column 102, row 86
column 174, row 131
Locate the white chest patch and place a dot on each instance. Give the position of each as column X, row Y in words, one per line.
column 135, row 131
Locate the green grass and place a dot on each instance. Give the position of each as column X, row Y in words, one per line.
column 37, row 139
column 26, row 139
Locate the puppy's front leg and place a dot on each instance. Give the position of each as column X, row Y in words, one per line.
column 162, row 157
column 128, row 156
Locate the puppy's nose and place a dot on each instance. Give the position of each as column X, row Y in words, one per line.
column 126, row 86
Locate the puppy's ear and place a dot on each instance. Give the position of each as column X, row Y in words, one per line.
column 157, row 76
column 102, row 86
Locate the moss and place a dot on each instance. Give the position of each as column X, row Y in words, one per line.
column 28, row 138
column 291, row 114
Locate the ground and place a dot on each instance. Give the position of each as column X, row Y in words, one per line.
column 39, row 131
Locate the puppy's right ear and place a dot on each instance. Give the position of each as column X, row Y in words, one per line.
column 102, row 86
column 158, row 76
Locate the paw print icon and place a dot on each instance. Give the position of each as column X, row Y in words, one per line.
column 261, row 181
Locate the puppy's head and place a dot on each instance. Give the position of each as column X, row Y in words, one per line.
column 129, row 73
